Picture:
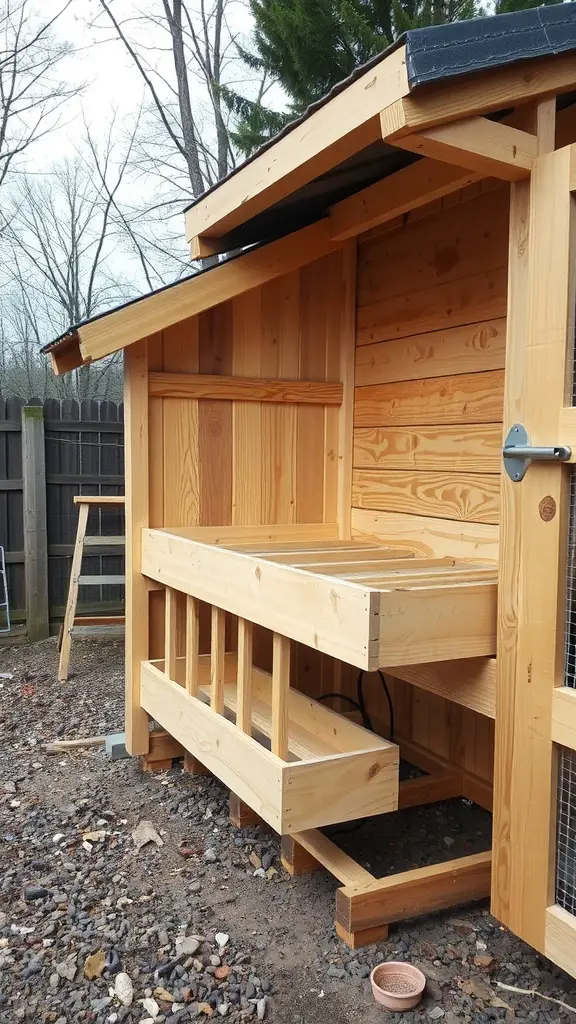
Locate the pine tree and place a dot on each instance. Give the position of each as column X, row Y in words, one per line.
column 307, row 46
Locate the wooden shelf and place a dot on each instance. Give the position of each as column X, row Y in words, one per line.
column 335, row 770
column 368, row 604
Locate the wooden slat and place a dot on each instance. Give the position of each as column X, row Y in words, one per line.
column 560, row 939
column 467, row 349
column 262, row 537
column 475, row 448
column 411, row 187
column 417, row 891
column 101, row 581
column 103, row 541
column 243, row 389
column 468, row 398
column 246, row 416
column 532, row 604
column 244, row 686
column 170, row 635
column 333, row 557
column 331, row 857
column 217, row 659
column 99, row 499
column 564, row 716
column 472, row 497
column 486, row 148
column 192, row 644
column 280, row 695
column 469, row 682
column 426, row 536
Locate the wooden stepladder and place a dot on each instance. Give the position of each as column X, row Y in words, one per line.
column 85, row 503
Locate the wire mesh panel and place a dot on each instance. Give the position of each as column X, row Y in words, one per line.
column 570, row 628
column 566, row 831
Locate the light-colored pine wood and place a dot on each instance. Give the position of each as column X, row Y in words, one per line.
column 479, row 94
column 482, row 146
column 170, row 632
column 411, row 187
column 330, row 135
column 245, row 646
column 472, row 497
column 280, row 694
column 347, row 375
column 217, row 657
column 467, row 398
column 427, row 536
column 244, row 389
column 474, row 448
column 338, row 863
column 303, row 536
column 419, row 890
column 560, row 939
column 72, row 599
column 246, row 416
column 192, row 644
column 564, row 716
column 137, row 503
column 531, row 613
column 99, row 499
column 467, row 349
column 469, row 682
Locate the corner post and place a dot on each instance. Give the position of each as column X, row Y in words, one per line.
column 35, row 530
column 137, row 502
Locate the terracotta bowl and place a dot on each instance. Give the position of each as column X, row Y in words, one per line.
column 397, row 986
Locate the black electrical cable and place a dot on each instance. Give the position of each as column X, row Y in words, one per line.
column 390, row 704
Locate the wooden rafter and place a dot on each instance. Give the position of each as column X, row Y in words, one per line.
column 487, row 148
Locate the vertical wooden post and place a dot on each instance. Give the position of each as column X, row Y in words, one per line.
column 192, row 644
column 280, row 694
column 136, row 474
column 347, row 371
column 170, row 632
column 533, row 547
column 217, row 656
column 244, row 683
column 35, row 532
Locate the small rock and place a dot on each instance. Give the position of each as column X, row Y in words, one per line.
column 145, row 833
column 161, row 993
column 448, row 841
column 187, row 946
column 336, row 972
column 222, row 939
column 95, row 964
column 151, row 1007
column 483, row 960
column 35, row 892
column 67, row 969
column 261, row 1008
column 210, row 856
column 223, row 1009
column 58, row 837
column 123, row 988
column 436, row 1013
column 94, row 837
column 205, row 1008
column 222, row 972
column 255, row 860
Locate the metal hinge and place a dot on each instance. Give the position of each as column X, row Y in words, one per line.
column 519, row 453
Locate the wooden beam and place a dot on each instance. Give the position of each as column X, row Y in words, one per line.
column 347, row 372
column 66, row 356
column 280, row 695
column 137, row 496
column 217, row 659
column 244, row 684
column 419, row 891
column 155, row 312
column 99, row 499
column 487, row 148
column 564, row 716
column 413, row 186
column 560, row 941
column 532, row 605
column 192, row 644
column 479, row 94
column 243, row 389
column 323, row 851
column 262, row 536
column 470, row 682
column 170, row 631
column 333, row 133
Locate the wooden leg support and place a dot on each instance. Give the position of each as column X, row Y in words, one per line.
column 193, row 766
column 163, row 749
column 295, row 859
column 241, row 814
column 364, row 937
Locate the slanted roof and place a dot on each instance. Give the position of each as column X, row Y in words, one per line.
column 357, row 158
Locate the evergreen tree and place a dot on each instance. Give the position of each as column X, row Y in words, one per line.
column 307, row 46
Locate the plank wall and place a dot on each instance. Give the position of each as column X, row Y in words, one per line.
column 430, row 349
column 218, row 462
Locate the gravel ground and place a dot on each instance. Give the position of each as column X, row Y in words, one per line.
column 207, row 925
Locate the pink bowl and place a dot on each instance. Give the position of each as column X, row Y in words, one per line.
column 397, row 986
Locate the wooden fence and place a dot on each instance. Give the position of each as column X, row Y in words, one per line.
column 48, row 453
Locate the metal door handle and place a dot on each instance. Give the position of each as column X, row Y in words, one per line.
column 519, row 453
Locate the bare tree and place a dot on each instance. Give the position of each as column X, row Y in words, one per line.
column 62, row 250
column 32, row 92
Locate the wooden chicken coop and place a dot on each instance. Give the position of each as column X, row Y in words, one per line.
column 349, row 450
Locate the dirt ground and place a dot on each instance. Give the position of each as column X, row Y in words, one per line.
column 196, row 931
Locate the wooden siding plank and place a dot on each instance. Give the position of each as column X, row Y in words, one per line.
column 246, row 417
column 472, row 497
column 215, row 419
column 472, row 448
column 467, row 349
column 244, row 389
column 467, row 398
column 427, row 536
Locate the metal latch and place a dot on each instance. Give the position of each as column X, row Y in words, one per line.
column 519, row 453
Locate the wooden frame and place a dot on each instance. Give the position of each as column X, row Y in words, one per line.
column 482, row 146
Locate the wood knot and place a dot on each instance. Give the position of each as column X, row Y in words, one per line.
column 258, row 573
column 373, row 771
column 547, row 508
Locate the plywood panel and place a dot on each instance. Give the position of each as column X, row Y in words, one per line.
column 467, row 349
column 473, row 497
column 467, row 398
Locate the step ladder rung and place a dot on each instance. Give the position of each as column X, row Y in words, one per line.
column 101, row 581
